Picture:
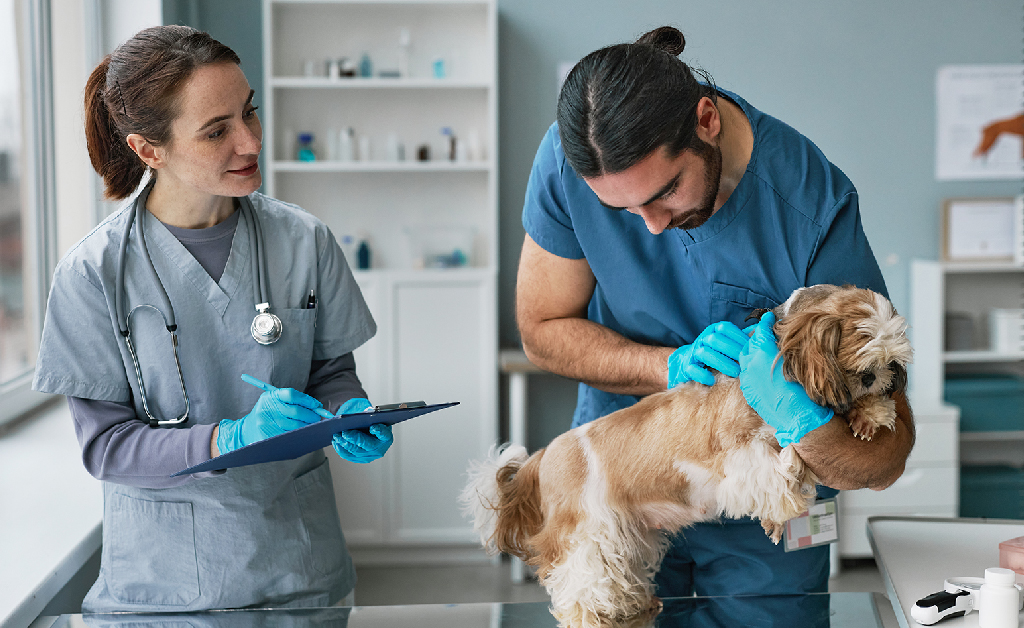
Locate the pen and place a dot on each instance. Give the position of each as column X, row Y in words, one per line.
column 311, row 301
column 249, row 379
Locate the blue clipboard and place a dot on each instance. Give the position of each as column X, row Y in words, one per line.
column 302, row 441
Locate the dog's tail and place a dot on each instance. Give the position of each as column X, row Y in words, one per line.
column 503, row 497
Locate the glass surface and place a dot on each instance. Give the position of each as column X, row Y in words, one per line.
column 836, row 610
column 15, row 356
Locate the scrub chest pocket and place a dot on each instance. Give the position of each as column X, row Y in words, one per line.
column 734, row 304
column 142, row 572
column 293, row 353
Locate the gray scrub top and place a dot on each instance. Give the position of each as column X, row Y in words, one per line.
column 254, row 536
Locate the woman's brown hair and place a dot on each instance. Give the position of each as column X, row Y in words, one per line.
column 135, row 89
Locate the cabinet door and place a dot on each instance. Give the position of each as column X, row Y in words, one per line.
column 361, row 489
column 444, row 350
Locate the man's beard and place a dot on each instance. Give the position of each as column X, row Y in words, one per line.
column 712, row 158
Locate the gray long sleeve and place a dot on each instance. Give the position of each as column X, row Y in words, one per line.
column 118, row 447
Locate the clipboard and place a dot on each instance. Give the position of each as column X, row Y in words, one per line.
column 304, row 440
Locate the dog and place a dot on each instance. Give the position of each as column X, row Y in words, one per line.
column 595, row 510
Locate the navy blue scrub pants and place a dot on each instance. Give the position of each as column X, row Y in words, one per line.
column 735, row 557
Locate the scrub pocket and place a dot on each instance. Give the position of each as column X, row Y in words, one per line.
column 315, row 493
column 293, row 353
column 149, row 552
column 734, row 304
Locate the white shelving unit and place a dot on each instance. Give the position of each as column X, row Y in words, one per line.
column 938, row 288
column 437, row 327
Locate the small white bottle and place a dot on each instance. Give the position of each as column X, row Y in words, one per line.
column 346, row 145
column 998, row 600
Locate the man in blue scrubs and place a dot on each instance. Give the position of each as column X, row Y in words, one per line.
column 659, row 213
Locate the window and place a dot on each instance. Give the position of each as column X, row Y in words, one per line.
column 26, row 195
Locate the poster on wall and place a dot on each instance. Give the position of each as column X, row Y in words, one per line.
column 980, row 122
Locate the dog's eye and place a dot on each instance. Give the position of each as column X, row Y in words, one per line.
column 867, row 379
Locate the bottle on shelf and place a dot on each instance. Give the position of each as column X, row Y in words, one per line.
column 404, row 43
column 304, row 150
column 363, row 255
column 347, row 144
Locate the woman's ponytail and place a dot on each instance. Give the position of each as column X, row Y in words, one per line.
column 111, row 157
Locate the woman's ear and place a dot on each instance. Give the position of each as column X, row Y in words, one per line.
column 150, row 155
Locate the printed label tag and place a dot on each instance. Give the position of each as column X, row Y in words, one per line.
column 818, row 526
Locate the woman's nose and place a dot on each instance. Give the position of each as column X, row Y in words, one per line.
column 251, row 142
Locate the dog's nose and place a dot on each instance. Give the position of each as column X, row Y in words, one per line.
column 867, row 379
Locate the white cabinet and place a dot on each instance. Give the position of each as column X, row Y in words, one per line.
column 431, row 226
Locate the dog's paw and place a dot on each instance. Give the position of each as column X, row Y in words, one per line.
column 870, row 413
column 773, row 530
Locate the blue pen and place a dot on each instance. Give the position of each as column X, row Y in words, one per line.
column 249, row 379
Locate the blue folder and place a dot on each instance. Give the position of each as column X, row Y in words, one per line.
column 315, row 436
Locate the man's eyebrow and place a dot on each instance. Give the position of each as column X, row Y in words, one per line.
column 213, row 121
column 665, row 189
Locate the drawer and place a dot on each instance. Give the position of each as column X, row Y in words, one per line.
column 918, row 487
column 853, row 526
column 936, row 442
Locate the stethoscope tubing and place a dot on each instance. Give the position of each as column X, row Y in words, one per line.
column 259, row 268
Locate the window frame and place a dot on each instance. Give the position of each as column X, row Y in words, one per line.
column 39, row 231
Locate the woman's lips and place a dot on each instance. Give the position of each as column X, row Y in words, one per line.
column 247, row 171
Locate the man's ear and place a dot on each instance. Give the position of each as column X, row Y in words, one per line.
column 150, row 155
column 709, row 120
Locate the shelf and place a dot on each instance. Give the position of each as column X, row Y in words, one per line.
column 981, row 267
column 426, row 275
column 965, row 357
column 377, row 3
column 978, row 437
column 381, row 166
column 322, row 82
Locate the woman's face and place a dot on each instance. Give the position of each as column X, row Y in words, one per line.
column 216, row 138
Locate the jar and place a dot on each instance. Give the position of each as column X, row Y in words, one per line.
column 998, row 600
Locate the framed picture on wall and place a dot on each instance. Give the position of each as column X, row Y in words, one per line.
column 978, row 229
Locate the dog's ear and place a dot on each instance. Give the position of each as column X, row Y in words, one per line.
column 809, row 342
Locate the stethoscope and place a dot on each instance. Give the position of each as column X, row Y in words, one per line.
column 266, row 328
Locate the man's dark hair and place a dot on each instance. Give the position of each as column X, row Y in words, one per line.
column 621, row 103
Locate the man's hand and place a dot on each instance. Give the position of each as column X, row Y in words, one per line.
column 781, row 403
column 717, row 347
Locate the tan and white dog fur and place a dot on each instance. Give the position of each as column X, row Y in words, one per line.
column 594, row 511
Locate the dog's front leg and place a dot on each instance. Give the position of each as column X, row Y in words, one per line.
column 869, row 413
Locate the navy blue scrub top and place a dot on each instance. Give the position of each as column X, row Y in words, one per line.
column 792, row 221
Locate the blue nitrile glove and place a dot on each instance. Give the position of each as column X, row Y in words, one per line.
column 356, row 445
column 718, row 346
column 276, row 411
column 781, row 403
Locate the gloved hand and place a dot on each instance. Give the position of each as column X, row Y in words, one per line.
column 718, row 346
column 356, row 445
column 276, row 411
column 781, row 403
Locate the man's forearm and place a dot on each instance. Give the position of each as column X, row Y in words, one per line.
column 581, row 349
column 845, row 462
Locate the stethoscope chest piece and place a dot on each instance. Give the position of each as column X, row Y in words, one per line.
column 266, row 328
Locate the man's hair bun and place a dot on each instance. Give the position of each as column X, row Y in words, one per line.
column 666, row 38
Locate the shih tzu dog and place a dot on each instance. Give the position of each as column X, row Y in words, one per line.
column 594, row 511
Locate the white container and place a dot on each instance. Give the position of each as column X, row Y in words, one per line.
column 1006, row 330
column 998, row 600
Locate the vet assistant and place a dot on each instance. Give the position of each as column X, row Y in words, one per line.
column 172, row 104
column 659, row 213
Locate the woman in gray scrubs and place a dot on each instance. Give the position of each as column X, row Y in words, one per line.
column 171, row 126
